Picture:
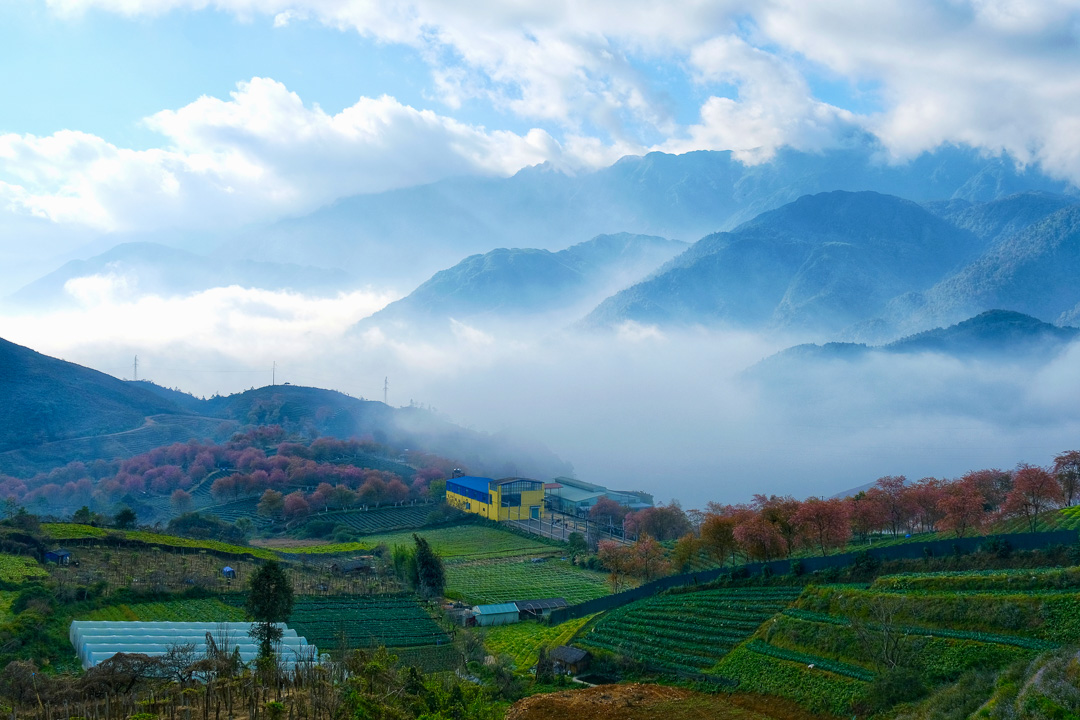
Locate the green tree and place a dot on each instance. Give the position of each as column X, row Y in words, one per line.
column 575, row 544
column 125, row 519
column 270, row 601
column 430, row 574
column 83, row 516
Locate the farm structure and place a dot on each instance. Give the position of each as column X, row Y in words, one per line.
column 60, row 556
column 536, row 609
column 356, row 566
column 98, row 640
column 497, row 614
column 570, row 660
column 507, row 499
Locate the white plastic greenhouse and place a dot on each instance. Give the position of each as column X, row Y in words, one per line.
column 98, row 640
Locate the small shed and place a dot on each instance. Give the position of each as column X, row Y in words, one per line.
column 60, row 556
column 570, row 660
column 497, row 614
column 536, row 609
column 228, row 572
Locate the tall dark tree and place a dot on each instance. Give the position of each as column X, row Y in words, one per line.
column 430, row 574
column 126, row 518
column 270, row 601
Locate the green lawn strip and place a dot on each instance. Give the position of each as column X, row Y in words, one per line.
column 461, row 541
column 522, row 641
column 816, row 689
column 189, row 610
column 69, row 531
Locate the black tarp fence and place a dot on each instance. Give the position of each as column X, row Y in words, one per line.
column 903, row 551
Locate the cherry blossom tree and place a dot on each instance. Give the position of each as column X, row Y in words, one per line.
column 1067, row 471
column 963, row 507
column 825, row 523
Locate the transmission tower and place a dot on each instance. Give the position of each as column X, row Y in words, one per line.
column 385, row 390
column 135, row 369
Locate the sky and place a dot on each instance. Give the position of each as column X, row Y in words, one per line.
column 147, row 115
column 195, row 118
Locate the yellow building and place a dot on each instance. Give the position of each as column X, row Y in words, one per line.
column 506, row 499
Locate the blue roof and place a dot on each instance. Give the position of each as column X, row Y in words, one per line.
column 497, row 608
column 479, row 484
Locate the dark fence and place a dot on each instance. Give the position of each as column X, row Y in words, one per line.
column 904, row 551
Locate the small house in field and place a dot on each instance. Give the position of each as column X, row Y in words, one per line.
column 60, row 556
column 497, row 614
column 570, row 660
column 536, row 609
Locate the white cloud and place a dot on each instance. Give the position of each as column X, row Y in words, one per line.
column 262, row 152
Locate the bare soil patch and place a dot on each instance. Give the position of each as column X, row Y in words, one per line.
column 648, row 702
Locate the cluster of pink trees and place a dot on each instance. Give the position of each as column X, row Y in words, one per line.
column 327, row 473
column 772, row 527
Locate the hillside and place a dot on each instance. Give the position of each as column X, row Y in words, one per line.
column 46, row 399
column 820, row 263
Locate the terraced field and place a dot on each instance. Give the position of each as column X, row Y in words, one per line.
column 687, row 632
column 366, row 621
column 72, row 531
column 16, row 569
column 380, row 520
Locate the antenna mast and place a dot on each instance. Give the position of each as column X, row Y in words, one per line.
column 385, row 390
column 135, row 369
column 273, row 374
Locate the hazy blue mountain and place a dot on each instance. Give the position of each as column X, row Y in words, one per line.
column 56, row 412
column 406, row 235
column 819, row 264
column 144, row 268
column 1000, row 218
column 991, row 335
column 46, row 399
column 1033, row 271
column 511, row 283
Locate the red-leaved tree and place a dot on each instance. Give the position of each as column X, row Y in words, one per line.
column 1067, row 471
column 963, row 505
column 1034, row 492
column 825, row 523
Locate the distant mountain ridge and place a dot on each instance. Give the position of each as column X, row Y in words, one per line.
column 518, row 282
column 991, row 335
column 406, row 235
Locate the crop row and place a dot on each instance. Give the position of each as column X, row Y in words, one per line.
column 203, row 610
column 462, row 541
column 71, row 531
column 834, row 666
column 508, row 580
column 660, row 657
column 522, row 641
column 914, row 630
column 1013, row 580
column 363, row 621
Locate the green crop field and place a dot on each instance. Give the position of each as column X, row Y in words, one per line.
column 461, row 541
column 71, row 531
column 203, row 610
column 522, row 641
column 687, row 632
column 17, row 569
column 505, row 580
column 365, row 621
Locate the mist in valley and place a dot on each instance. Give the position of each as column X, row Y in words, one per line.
column 685, row 414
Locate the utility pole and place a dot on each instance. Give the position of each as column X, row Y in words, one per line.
column 135, row 369
column 385, row 390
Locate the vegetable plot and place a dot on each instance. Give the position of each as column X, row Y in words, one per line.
column 494, row 581
column 365, row 621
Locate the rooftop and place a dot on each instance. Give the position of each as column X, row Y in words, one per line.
column 479, row 484
column 495, row 609
column 567, row 654
column 544, row 604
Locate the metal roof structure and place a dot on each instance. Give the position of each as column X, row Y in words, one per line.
column 567, row 654
column 98, row 640
column 495, row 609
column 538, row 605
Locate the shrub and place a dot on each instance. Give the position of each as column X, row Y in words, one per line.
column 898, row 685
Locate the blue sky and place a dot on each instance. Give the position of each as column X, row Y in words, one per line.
column 146, row 115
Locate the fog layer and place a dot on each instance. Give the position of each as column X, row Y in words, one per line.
column 673, row 413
